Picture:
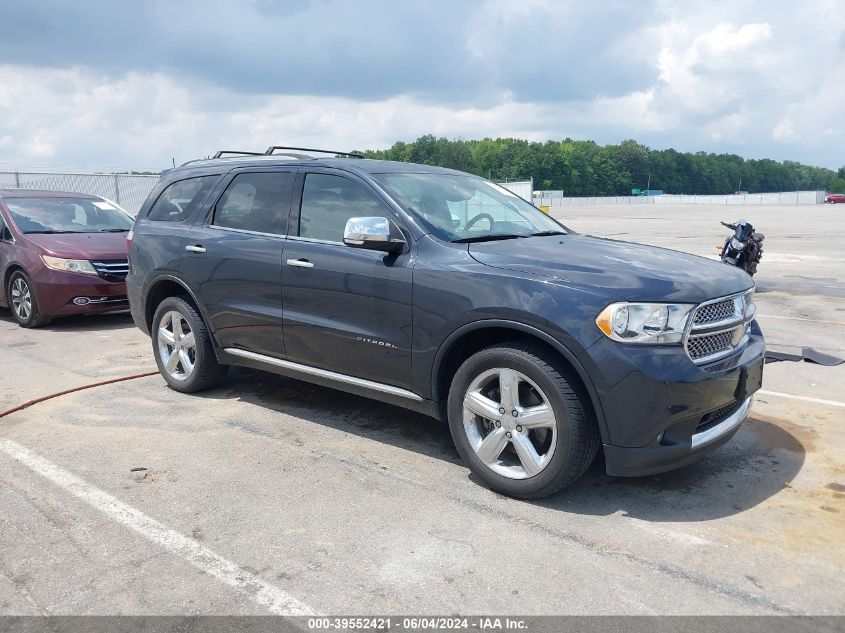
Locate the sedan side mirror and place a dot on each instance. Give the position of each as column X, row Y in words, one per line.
column 372, row 233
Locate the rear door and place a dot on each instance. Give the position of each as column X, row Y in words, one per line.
column 346, row 309
column 232, row 258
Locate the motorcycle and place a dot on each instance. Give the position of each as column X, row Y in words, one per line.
column 744, row 248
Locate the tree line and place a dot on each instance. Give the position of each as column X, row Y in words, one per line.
column 585, row 168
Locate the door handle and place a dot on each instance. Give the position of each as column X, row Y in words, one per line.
column 300, row 263
column 195, row 248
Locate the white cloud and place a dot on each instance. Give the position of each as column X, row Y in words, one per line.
column 142, row 120
column 706, row 73
column 784, row 130
column 745, row 76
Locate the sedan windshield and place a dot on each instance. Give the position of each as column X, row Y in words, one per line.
column 67, row 215
column 466, row 208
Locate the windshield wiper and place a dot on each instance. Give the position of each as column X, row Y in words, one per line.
column 486, row 238
column 552, row 232
column 112, row 230
column 46, row 231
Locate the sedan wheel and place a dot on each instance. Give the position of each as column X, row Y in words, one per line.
column 177, row 345
column 509, row 423
column 21, row 299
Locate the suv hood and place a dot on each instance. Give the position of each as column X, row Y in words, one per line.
column 624, row 270
column 82, row 245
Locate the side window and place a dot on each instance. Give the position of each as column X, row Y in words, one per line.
column 5, row 233
column 179, row 201
column 329, row 201
column 255, row 202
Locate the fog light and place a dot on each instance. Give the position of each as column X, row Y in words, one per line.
column 82, row 301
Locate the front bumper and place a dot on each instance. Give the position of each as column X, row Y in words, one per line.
column 634, row 462
column 662, row 411
column 56, row 290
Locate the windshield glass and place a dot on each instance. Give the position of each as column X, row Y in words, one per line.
column 467, row 208
column 67, row 215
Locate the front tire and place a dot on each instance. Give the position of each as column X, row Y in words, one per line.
column 20, row 297
column 521, row 421
column 183, row 349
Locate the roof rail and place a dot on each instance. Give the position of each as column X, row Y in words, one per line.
column 220, row 156
column 236, row 153
column 272, row 149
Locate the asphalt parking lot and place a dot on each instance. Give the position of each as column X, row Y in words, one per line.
column 273, row 495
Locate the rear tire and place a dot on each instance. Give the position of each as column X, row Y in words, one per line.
column 20, row 297
column 551, row 441
column 182, row 348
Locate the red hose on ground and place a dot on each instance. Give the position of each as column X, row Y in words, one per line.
column 29, row 403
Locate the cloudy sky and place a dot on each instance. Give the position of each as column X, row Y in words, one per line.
column 134, row 84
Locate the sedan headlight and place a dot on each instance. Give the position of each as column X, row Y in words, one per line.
column 645, row 323
column 69, row 265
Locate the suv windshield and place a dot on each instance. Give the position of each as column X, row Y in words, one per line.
column 465, row 208
column 67, row 215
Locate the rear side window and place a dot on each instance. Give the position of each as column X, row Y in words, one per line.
column 179, row 200
column 256, row 202
column 329, row 201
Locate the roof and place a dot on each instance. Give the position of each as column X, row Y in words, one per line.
column 352, row 164
column 43, row 193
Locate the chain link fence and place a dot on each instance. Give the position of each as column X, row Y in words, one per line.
column 127, row 190
column 556, row 199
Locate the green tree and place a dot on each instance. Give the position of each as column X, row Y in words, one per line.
column 584, row 168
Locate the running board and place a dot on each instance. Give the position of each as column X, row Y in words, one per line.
column 325, row 373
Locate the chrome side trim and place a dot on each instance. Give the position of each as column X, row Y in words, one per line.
column 314, row 240
column 325, row 373
column 724, row 427
column 230, row 229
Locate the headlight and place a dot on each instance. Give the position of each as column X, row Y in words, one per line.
column 646, row 323
column 69, row 265
column 736, row 244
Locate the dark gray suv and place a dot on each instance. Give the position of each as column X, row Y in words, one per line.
column 444, row 293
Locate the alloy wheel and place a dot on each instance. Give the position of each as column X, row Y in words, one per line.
column 510, row 423
column 21, row 299
column 177, row 345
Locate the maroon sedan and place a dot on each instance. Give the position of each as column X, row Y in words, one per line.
column 61, row 253
column 835, row 197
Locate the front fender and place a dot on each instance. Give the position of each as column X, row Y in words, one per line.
column 571, row 351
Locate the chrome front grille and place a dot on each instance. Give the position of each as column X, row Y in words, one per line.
column 112, row 269
column 719, row 328
column 704, row 345
column 719, row 311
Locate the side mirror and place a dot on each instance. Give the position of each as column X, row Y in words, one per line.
column 372, row 233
